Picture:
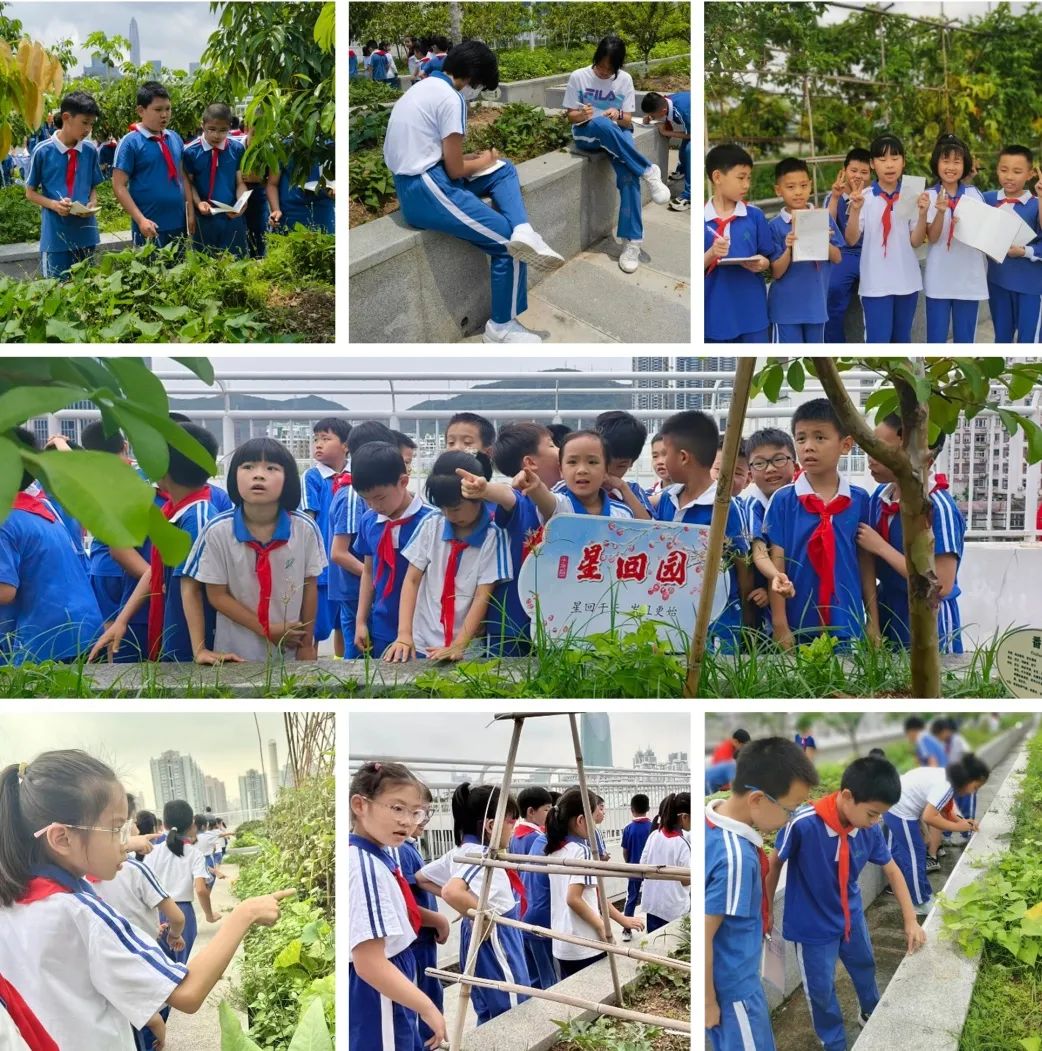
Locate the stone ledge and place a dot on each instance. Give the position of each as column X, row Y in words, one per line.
column 22, row 260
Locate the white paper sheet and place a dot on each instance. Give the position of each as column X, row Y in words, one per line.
column 237, row 207
column 82, row 209
column 990, row 230
column 907, row 206
column 313, row 185
column 811, row 226
column 485, row 171
column 730, row 260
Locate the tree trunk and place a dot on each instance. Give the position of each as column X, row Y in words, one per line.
column 454, row 22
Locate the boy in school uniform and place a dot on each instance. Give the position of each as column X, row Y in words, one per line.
column 1015, row 284
column 147, row 175
column 470, row 433
column 825, row 845
column 740, row 479
column 929, row 748
column 65, row 170
column 797, row 301
column 624, row 436
column 674, row 111
column 634, row 836
column 529, row 838
column 811, row 529
column 292, row 205
column 844, row 276
column 735, row 295
column 772, row 779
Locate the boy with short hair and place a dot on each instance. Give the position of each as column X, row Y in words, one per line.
column 147, row 173
column 740, row 479
column 929, row 748
column 735, row 295
column 731, row 746
column 634, row 836
column 470, row 433
column 843, row 277
column 624, row 437
column 658, row 465
column 811, row 527
column 407, row 447
column 65, row 170
column 534, row 803
column 797, row 301
column 772, row 779
column 826, row 844
column 674, row 111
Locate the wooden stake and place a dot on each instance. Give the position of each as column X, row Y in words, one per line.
column 579, row 867
column 627, row 868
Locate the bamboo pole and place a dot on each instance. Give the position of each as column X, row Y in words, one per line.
column 732, row 439
column 589, row 943
column 576, row 866
column 591, row 835
column 624, row 867
column 453, row 977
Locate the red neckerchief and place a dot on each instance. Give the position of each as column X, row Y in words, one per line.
column 765, row 905
column 263, row 570
column 721, row 225
column 668, row 834
column 519, row 889
column 156, row 598
column 525, row 828
column 72, row 157
column 385, row 550
column 214, row 161
column 828, row 810
column 952, row 202
column 410, row 901
column 948, row 810
column 890, row 199
column 34, row 505
column 29, row 1027
column 171, row 168
column 340, row 480
column 448, row 589
column 1007, row 200
column 821, row 547
column 889, row 509
column 940, row 481
column 40, row 887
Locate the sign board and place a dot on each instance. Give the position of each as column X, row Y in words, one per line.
column 591, row 574
column 1019, row 662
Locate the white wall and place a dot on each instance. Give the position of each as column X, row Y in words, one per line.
column 1001, row 586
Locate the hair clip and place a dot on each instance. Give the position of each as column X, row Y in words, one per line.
column 377, row 767
column 22, row 767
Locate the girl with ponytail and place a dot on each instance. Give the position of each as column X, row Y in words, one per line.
column 665, row 900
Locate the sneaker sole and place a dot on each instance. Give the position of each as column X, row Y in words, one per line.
column 488, row 339
column 527, row 254
column 682, row 208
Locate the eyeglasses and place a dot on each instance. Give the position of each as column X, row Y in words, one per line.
column 402, row 812
column 123, row 831
column 778, row 461
column 791, row 811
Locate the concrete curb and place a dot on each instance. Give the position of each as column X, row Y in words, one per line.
column 22, row 260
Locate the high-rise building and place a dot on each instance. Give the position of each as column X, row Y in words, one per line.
column 273, row 770
column 595, row 738
column 135, row 43
column 216, row 794
column 177, row 776
column 253, row 794
column 702, row 396
column 657, row 400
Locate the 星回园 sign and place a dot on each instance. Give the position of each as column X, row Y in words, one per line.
column 590, row 574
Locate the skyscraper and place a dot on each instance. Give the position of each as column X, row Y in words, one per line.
column 216, row 794
column 176, row 776
column 253, row 794
column 135, row 43
column 595, row 738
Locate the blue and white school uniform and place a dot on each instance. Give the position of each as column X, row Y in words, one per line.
column 956, row 277
column 219, row 232
column 317, row 492
column 345, row 514
column 89, row 975
column 679, row 115
column 72, row 527
column 178, row 876
column 756, row 502
column 634, row 837
column 736, row 298
column 1015, row 285
column 949, row 530
column 382, row 68
column 814, row 919
column 789, row 526
column 508, row 623
column 539, row 955
column 843, row 276
column 890, row 276
column 377, row 910
column 65, row 239
column 965, row 804
column 134, row 892
column 797, row 302
column 433, row 63
column 666, row 900
column 426, row 114
column 571, row 957
column 734, row 874
column 928, row 747
column 157, row 190
column 719, row 776
column 314, row 209
column 805, row 741
column 569, row 504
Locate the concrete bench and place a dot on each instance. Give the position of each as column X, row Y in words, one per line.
column 22, row 260
column 533, row 91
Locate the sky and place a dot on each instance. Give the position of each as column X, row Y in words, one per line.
column 175, row 33
column 224, row 745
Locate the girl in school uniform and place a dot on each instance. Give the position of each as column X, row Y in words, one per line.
column 956, row 274
column 666, row 899
column 440, row 189
column 456, row 559
column 574, row 905
column 383, row 916
column 88, row 974
column 600, row 101
column 501, row 955
column 890, row 275
column 259, row 562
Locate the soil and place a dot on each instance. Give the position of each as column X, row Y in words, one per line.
column 358, row 213
column 308, row 315
column 666, row 82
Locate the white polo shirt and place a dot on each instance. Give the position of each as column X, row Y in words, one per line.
column 954, row 271
column 430, row 111
column 85, row 971
column 220, row 556
column 177, row 874
column 562, row 917
column 135, row 892
column 500, row 893
column 206, row 842
column 897, row 273
column 666, row 898
column 486, row 560
column 378, row 909
column 920, row 786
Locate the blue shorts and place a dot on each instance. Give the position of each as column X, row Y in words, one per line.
column 58, row 264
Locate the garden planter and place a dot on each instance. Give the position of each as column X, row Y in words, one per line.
column 22, row 260
column 533, row 91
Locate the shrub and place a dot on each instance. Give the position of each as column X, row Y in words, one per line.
column 368, row 127
column 362, row 91
column 369, row 179
column 19, row 220
column 521, row 132
column 301, row 257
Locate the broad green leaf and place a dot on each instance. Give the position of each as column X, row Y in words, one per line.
column 10, row 474
column 140, row 383
column 1031, row 1043
column 232, row 1036
column 149, row 329
column 171, row 313
column 174, row 435
column 118, row 329
column 63, row 332
column 312, row 1034
column 290, row 955
column 23, row 403
column 796, row 376
column 1033, row 434
column 149, row 446
column 173, row 543
column 772, row 382
column 1020, row 385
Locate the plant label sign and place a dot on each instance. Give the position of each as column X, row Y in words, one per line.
column 591, row 574
column 1019, row 662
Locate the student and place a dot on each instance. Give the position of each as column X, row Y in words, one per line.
column 381, row 65
column 470, row 433
column 414, row 56
column 434, row 57
column 321, row 483
column 929, row 751
column 927, row 797
column 624, row 437
column 719, row 776
column 599, row 100
column 46, row 604
column 1015, row 284
column 826, row 844
column 844, row 275
column 87, row 973
column 147, row 173
column 890, row 276
column 740, row 479
column 797, row 301
column 731, row 746
column 634, row 836
column 64, row 170
column 212, row 166
column 384, row 531
column 530, row 838
column 440, row 189
column 456, row 559
column 773, row 778
column 385, row 1002
column 674, row 111
column 658, row 465
column 883, row 539
column 804, row 736
column 501, row 955
column 260, row 563
column 574, row 900
column 965, row 802
column 666, row 900
column 407, row 447
column 735, row 296
column 811, row 528
column 292, row 205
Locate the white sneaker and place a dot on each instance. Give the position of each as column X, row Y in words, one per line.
column 511, row 332
column 659, row 190
column 630, row 258
column 627, row 935
column 679, row 204
column 526, row 245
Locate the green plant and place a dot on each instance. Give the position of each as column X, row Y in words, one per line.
column 606, row 1034
column 368, row 126
column 19, row 220
column 521, row 132
column 369, row 180
column 312, row 1032
column 362, row 92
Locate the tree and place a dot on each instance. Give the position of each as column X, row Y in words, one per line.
column 645, row 24
column 499, row 25
column 846, row 723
